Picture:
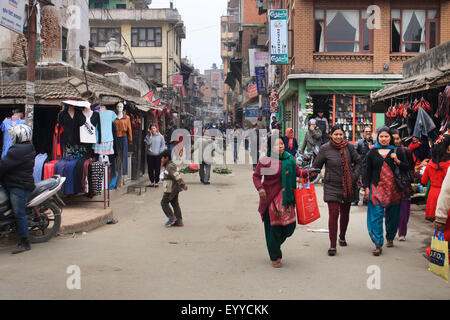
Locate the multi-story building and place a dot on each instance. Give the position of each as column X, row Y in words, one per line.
column 150, row 38
column 214, row 79
column 342, row 50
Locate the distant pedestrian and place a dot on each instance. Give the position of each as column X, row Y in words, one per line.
column 203, row 146
column 273, row 122
column 261, row 124
column 313, row 138
column 342, row 170
column 406, row 201
column 254, row 138
column 155, row 145
column 173, row 184
column 363, row 147
column 235, row 136
column 323, row 125
column 279, row 170
column 435, row 172
column 290, row 142
column 382, row 191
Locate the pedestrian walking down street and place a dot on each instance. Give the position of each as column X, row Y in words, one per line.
column 254, row 138
column 406, row 201
column 276, row 196
column 435, row 172
column 381, row 190
column 322, row 124
column 313, row 137
column 173, row 184
column 342, row 170
column 235, row 136
column 290, row 142
column 442, row 222
column 16, row 175
column 363, row 147
column 155, row 145
column 204, row 148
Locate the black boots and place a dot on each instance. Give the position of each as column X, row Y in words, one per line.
column 24, row 245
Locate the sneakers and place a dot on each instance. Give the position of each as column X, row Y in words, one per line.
column 24, row 245
column 402, row 238
column 171, row 222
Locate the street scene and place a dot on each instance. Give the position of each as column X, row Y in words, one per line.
column 223, row 150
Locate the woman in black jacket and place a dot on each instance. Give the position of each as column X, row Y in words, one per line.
column 16, row 175
column 342, row 170
column 381, row 189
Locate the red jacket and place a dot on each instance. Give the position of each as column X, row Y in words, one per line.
column 434, row 174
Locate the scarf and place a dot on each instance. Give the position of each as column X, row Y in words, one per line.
column 346, row 177
column 290, row 136
column 288, row 177
column 379, row 146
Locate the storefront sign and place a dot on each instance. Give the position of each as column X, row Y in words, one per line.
column 261, row 81
column 178, row 81
column 251, row 112
column 252, row 91
column 12, row 14
column 278, row 37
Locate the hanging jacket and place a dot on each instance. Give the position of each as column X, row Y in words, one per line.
column 424, row 124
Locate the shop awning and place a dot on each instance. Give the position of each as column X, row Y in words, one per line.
column 433, row 79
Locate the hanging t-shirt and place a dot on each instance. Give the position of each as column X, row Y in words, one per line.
column 88, row 131
column 7, row 142
column 106, row 120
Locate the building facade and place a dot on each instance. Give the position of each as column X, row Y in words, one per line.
column 341, row 51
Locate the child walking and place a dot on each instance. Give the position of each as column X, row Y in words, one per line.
column 173, row 184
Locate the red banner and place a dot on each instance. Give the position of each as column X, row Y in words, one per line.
column 252, row 91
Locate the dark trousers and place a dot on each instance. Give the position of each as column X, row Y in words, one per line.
column 338, row 211
column 123, row 143
column 19, row 199
column 275, row 236
column 154, row 168
column 171, row 198
column 204, row 171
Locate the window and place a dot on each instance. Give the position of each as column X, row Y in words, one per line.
column 146, row 37
column 342, row 31
column 151, row 70
column 100, row 36
column 101, row 3
column 414, row 30
column 121, row 6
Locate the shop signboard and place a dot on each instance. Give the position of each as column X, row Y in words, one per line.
column 252, row 91
column 261, row 81
column 251, row 111
column 278, row 37
column 178, row 81
column 12, row 14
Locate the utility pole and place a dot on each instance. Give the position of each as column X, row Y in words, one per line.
column 31, row 65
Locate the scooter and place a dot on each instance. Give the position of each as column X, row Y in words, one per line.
column 43, row 211
column 305, row 162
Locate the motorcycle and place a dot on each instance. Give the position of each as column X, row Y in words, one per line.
column 43, row 211
column 305, row 162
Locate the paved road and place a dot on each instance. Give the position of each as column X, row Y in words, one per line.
column 219, row 254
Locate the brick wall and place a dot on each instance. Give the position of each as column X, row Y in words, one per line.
column 305, row 60
column 251, row 13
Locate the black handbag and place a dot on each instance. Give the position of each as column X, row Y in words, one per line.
column 403, row 179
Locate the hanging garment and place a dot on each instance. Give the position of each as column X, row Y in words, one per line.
column 96, row 178
column 85, row 180
column 124, row 128
column 424, row 124
column 71, row 133
column 6, row 125
column 49, row 169
column 88, row 131
column 69, row 185
column 38, row 166
column 105, row 144
column 57, row 148
column 78, row 176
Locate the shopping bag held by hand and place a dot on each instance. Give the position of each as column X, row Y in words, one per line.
column 306, row 202
column 439, row 256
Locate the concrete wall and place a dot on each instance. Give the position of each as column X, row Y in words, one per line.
column 430, row 60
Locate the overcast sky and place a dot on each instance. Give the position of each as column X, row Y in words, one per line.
column 202, row 21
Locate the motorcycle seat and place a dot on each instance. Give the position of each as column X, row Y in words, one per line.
column 42, row 186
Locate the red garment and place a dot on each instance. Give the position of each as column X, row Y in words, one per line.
column 386, row 192
column 57, row 150
column 290, row 135
column 437, row 177
column 49, row 169
column 271, row 183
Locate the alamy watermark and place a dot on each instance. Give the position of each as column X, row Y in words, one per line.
column 73, row 282
column 374, row 280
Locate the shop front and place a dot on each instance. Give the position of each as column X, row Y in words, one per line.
column 343, row 99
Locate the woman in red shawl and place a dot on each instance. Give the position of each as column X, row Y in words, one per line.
column 290, row 143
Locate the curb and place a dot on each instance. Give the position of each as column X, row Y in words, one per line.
column 73, row 221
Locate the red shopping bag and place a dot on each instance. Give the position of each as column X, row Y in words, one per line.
column 306, row 202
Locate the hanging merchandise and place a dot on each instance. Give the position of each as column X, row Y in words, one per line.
column 124, row 134
column 274, row 100
column 105, row 143
column 88, row 129
column 424, row 124
column 8, row 124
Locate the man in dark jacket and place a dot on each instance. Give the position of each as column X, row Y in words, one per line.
column 16, row 175
column 363, row 147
